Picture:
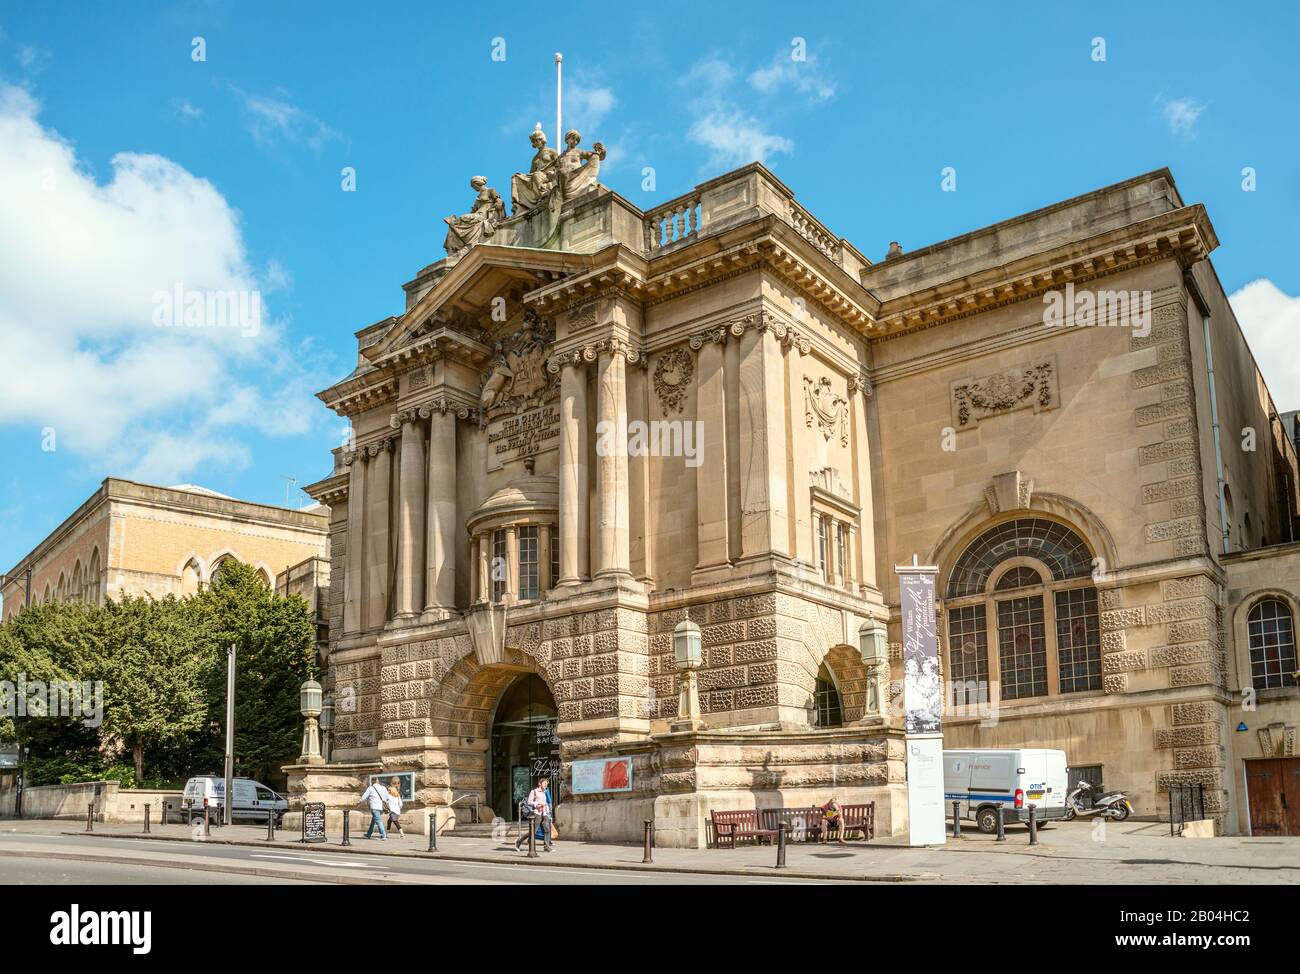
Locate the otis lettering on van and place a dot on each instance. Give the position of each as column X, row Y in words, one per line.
column 74, row 928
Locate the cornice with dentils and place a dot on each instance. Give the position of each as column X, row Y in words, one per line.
column 1184, row 235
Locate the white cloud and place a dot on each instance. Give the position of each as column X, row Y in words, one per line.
column 80, row 265
column 585, row 107
column 1270, row 319
column 273, row 120
column 786, row 74
column 734, row 138
column 1181, row 115
column 187, row 110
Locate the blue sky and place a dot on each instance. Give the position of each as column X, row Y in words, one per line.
column 127, row 166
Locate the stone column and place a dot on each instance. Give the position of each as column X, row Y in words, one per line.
column 355, row 563
column 612, row 524
column 860, row 393
column 440, row 571
column 544, row 580
column 485, row 567
column 574, row 499
column 711, row 474
column 512, row 564
column 378, row 537
column 410, row 524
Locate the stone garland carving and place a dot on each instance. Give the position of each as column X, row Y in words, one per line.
column 975, row 399
column 825, row 408
column 672, row 378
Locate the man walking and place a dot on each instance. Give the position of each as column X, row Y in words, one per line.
column 377, row 799
column 538, row 804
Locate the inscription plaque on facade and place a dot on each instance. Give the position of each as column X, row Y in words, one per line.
column 523, row 435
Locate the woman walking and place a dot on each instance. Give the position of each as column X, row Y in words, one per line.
column 395, row 807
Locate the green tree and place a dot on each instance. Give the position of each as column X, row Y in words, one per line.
column 155, row 671
column 275, row 640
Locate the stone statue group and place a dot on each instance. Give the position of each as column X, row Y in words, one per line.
column 553, row 177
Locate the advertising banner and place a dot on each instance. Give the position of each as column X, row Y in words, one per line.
column 922, row 705
column 601, row 775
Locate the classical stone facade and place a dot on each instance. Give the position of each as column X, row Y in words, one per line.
column 137, row 539
column 591, row 423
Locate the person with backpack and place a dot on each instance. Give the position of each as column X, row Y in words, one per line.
column 538, row 806
column 377, row 798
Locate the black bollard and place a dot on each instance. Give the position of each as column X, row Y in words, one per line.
column 207, row 822
column 146, row 818
column 270, row 826
column 1033, row 826
column 1002, row 835
column 347, row 827
column 780, row 845
column 532, row 839
column 645, row 854
column 433, row 831
column 956, row 820
column 90, row 817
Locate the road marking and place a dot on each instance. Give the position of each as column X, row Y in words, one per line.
column 318, row 862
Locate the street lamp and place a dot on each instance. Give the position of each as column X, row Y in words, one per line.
column 326, row 724
column 689, row 656
column 873, row 645
column 309, row 701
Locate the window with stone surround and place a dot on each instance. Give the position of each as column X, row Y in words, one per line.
column 1272, row 645
column 498, row 568
column 529, row 568
column 1023, row 586
column 823, row 546
column 828, row 707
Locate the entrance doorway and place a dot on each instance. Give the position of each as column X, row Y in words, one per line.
column 524, row 744
column 1273, row 792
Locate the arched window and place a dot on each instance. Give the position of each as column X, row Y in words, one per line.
column 217, row 567
column 1272, row 645
column 828, row 707
column 191, row 578
column 264, row 578
column 92, row 579
column 1024, row 587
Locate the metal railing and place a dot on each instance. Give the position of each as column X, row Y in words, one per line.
column 1186, row 804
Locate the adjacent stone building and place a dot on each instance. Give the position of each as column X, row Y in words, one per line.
column 591, row 423
column 137, row 539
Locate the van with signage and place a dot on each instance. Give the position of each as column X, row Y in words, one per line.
column 253, row 800
column 1015, row 779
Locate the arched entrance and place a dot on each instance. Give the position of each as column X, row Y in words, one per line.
column 524, row 746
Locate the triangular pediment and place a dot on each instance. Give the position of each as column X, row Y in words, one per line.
column 461, row 300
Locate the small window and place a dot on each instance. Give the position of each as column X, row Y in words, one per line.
column 1272, row 645
column 823, row 546
column 528, row 566
column 842, row 551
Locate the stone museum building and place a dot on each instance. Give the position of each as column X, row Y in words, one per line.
column 591, row 423
column 142, row 540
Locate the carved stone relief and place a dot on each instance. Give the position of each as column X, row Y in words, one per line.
column 673, row 374
column 976, row 399
column 826, row 410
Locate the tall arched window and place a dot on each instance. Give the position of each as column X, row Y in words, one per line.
column 92, row 579
column 1024, row 587
column 1272, row 645
column 191, row 578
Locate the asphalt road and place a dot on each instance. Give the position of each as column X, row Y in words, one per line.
column 27, row 858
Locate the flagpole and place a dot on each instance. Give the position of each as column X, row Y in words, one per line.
column 559, row 128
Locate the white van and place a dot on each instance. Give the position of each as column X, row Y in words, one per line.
column 1013, row 778
column 253, row 800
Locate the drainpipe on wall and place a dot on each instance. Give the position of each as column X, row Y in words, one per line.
column 1201, row 306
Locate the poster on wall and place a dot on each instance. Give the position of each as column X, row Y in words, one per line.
column 602, row 775
column 922, row 688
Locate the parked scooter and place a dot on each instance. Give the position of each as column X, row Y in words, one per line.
column 1113, row 805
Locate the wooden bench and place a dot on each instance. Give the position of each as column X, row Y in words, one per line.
column 800, row 823
column 858, row 818
column 733, row 825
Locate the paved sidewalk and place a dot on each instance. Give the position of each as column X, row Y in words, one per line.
column 1134, row 852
